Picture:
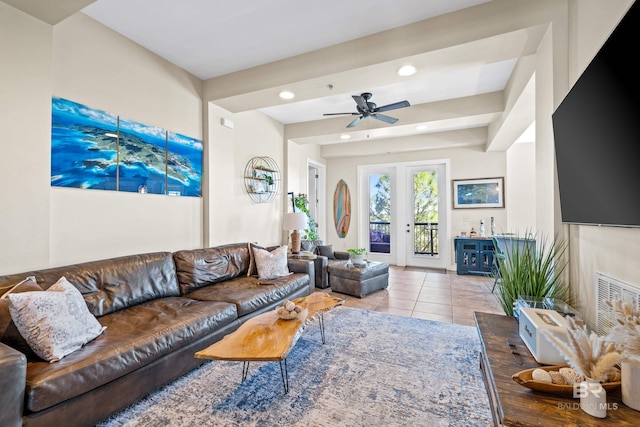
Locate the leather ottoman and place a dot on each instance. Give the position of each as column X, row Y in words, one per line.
column 358, row 281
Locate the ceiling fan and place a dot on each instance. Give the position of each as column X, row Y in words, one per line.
column 367, row 109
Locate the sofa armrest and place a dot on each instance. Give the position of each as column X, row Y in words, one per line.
column 341, row 255
column 13, row 377
column 305, row 267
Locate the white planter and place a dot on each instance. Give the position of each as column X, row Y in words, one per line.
column 630, row 383
column 357, row 259
column 593, row 398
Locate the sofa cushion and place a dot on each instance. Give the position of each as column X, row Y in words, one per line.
column 134, row 337
column 116, row 283
column 249, row 295
column 326, row 251
column 202, row 267
column 26, row 285
column 55, row 322
column 9, row 334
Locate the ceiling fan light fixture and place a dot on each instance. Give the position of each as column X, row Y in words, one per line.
column 285, row 94
column 407, row 70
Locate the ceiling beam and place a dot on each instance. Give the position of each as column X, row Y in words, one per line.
column 51, row 11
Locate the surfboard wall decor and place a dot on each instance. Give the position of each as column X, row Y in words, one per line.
column 342, row 208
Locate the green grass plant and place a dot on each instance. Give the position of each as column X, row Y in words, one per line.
column 533, row 270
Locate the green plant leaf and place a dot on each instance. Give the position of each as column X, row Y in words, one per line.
column 533, row 270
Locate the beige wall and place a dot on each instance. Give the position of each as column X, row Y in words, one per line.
column 83, row 61
column 25, row 120
column 520, row 189
column 233, row 216
column 464, row 163
column 97, row 67
column 609, row 250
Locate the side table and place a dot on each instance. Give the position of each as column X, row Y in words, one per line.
column 515, row 405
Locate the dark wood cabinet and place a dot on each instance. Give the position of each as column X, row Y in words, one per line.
column 475, row 256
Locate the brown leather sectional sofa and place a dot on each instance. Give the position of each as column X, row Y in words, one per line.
column 159, row 309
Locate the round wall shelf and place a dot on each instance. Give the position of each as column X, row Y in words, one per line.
column 262, row 179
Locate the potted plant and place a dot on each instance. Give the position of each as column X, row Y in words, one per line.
column 309, row 240
column 356, row 255
column 527, row 270
column 268, row 179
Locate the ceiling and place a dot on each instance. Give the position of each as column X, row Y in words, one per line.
column 214, row 38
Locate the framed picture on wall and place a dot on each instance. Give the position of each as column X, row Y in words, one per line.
column 478, row 193
column 291, row 205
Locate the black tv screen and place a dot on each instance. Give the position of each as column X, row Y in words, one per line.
column 597, row 135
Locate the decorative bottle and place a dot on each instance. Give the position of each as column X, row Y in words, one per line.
column 482, row 228
column 493, row 226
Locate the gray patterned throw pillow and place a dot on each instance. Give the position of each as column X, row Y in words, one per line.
column 55, row 322
column 271, row 265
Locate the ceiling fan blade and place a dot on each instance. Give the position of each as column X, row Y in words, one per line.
column 354, row 122
column 394, row 106
column 340, row 114
column 361, row 102
column 384, row 118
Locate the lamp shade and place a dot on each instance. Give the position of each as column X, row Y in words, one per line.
column 295, row 221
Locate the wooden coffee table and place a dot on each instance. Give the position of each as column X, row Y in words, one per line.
column 267, row 338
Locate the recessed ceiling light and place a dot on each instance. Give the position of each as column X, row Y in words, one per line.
column 285, row 94
column 421, row 127
column 407, row 70
column 345, row 136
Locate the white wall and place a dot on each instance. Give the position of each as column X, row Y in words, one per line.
column 25, row 120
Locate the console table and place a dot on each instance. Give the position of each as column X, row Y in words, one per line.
column 515, row 405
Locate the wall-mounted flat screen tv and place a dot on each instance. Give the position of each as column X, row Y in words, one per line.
column 597, row 135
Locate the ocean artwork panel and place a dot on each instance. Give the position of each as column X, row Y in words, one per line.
column 94, row 149
column 184, row 165
column 84, row 146
column 143, row 158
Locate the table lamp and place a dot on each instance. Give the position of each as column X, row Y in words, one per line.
column 295, row 221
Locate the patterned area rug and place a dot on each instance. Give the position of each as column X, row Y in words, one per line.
column 375, row 369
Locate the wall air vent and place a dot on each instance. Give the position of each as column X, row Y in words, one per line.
column 608, row 288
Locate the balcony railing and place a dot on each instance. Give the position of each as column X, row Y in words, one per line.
column 425, row 237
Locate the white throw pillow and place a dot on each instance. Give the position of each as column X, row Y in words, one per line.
column 55, row 322
column 271, row 264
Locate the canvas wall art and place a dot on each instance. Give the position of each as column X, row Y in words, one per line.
column 95, row 149
column 478, row 193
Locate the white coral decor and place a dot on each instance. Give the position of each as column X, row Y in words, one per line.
column 588, row 354
column 626, row 333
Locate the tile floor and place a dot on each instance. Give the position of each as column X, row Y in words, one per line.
column 432, row 295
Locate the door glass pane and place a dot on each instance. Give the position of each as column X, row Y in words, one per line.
column 380, row 213
column 425, row 214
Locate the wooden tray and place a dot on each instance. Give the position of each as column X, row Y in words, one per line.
column 524, row 379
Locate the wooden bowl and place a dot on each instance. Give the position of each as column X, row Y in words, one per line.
column 524, row 378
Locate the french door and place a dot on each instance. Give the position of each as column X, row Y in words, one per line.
column 403, row 215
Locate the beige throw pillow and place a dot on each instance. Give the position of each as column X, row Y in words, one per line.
column 55, row 322
column 271, row 264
